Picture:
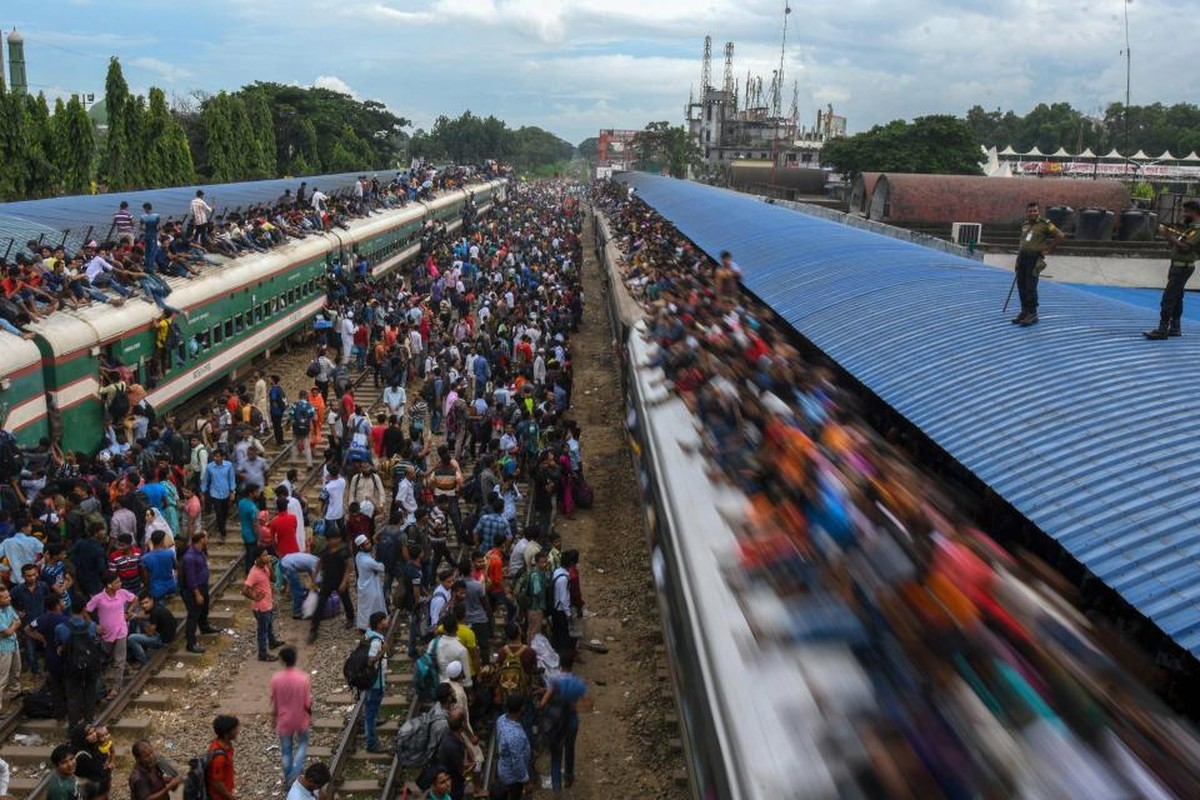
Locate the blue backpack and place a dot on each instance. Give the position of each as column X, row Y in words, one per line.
column 425, row 674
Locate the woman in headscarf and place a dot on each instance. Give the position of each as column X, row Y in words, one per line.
column 170, row 511
column 93, row 760
column 155, row 521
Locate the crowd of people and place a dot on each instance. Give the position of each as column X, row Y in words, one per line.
column 142, row 248
column 985, row 681
column 421, row 509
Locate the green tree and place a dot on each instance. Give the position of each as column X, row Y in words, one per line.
column 940, row 144
column 168, row 162
column 662, row 145
column 589, row 148
column 117, row 146
column 306, row 155
column 262, row 125
column 74, row 145
column 16, row 175
column 136, row 165
column 225, row 153
column 43, row 170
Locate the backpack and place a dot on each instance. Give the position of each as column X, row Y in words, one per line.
column 425, row 674
column 144, row 409
column 313, row 369
column 39, row 705
column 415, row 743
column 522, row 592
column 341, row 379
column 302, row 414
column 11, row 459
column 195, row 783
column 118, row 405
column 512, row 676
column 358, row 670
column 83, row 655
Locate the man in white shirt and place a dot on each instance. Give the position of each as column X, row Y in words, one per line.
column 439, row 601
column 346, row 328
column 334, row 495
column 200, row 211
column 395, row 397
column 406, row 495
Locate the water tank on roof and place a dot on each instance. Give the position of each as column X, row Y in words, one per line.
column 1137, row 224
column 1094, row 225
column 1062, row 216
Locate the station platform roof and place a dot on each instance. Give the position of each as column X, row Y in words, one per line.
column 1079, row 422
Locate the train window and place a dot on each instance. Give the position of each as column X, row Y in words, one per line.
column 239, row 323
column 228, row 329
column 217, row 338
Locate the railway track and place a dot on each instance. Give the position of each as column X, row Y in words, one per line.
column 149, row 688
column 351, row 781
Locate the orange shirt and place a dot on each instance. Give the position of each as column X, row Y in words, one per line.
column 220, row 768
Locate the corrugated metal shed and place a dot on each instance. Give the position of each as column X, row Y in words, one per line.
column 1080, row 423
column 901, row 198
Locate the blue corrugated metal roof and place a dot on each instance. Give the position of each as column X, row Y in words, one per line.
column 27, row 218
column 1080, row 423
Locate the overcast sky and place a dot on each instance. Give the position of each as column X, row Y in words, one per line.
column 575, row 66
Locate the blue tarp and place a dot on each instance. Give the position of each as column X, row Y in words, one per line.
column 1084, row 426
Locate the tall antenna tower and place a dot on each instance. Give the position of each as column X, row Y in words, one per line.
column 777, row 84
column 706, row 68
column 729, row 90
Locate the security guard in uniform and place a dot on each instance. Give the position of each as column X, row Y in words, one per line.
column 1185, row 247
column 1039, row 238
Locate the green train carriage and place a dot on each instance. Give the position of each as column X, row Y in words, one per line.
column 22, row 389
column 237, row 311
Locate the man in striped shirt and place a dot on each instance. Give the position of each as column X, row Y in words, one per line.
column 123, row 224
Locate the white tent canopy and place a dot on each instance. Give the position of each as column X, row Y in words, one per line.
column 1008, row 151
column 1166, row 156
column 1191, row 157
column 1060, row 153
column 1140, row 155
column 1035, row 152
column 1113, row 154
column 1087, row 154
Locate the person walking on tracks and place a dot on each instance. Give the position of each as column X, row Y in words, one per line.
column 1039, row 238
column 1185, row 246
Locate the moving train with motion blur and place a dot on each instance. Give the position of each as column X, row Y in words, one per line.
column 786, row 689
column 247, row 307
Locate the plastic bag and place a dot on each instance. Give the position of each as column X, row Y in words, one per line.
column 309, row 606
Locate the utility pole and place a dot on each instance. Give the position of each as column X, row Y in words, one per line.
column 1128, row 71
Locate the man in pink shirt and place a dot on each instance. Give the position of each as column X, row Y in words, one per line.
column 291, row 708
column 111, row 608
column 258, row 589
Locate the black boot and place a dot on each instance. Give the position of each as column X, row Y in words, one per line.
column 1030, row 319
column 1156, row 334
column 1019, row 318
column 1174, row 330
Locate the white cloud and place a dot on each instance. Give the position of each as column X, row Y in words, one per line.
column 334, row 83
column 171, row 73
column 574, row 66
